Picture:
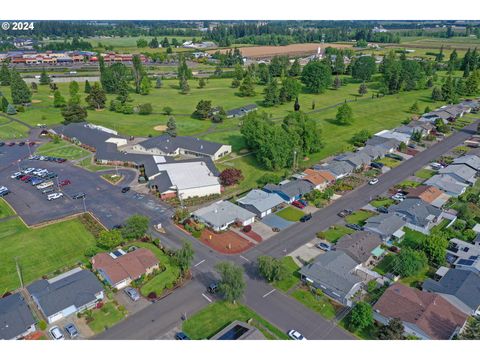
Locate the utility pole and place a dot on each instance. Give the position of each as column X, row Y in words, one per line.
column 84, row 205
column 294, row 160
column 19, row 273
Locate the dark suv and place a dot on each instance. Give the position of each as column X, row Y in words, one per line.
column 212, row 288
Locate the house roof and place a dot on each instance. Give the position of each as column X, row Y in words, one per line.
column 435, row 316
column 15, row 316
column 462, row 171
column 222, row 212
column 358, row 158
column 385, row 224
column 241, row 110
column 426, row 193
column 384, row 142
column 375, row 152
column 447, row 183
column 472, row 161
column 91, row 135
column 180, row 174
column 337, row 168
column 292, row 188
column 129, row 266
column 261, row 200
column 391, row 134
column 416, row 211
column 76, row 287
column 318, row 177
column 335, row 270
column 463, row 284
column 169, row 144
column 359, row 245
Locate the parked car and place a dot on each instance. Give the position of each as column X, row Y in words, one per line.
column 45, row 185
column 305, row 218
column 247, row 228
column 276, row 229
column 355, row 227
column 377, row 165
column 21, row 143
column 398, row 197
column 295, row 335
column 11, row 143
column 212, row 288
column 16, row 175
column 79, row 195
column 382, row 209
column 436, row 166
column 412, row 146
column 36, row 181
column 324, row 246
column 345, row 212
column 125, row 189
column 65, row 182
column 48, row 190
column 2, row 143
column 298, row 204
column 304, row 202
column 56, row 333
column 71, row 330
column 132, row 293
column 373, row 181
column 4, row 192
column 181, row 336
column 54, row 196
column 50, row 175
column 395, row 156
column 25, row 178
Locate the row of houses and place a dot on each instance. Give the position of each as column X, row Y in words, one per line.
column 74, row 291
column 64, row 57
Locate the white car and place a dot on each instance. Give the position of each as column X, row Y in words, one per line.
column 56, row 333
column 295, row 335
column 54, row 196
column 45, row 185
column 398, row 197
column 373, row 181
column 436, row 166
column 14, row 175
column 28, row 171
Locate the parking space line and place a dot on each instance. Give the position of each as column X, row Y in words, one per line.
column 207, row 298
column 244, row 258
column 270, row 292
column 199, row 263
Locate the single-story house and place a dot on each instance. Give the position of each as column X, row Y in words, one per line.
column 419, row 215
column 388, row 144
column 241, row 111
column 334, row 274
column 416, row 126
column 220, row 215
column 16, row 319
column 290, row 190
column 66, row 294
column 392, row 134
column 260, row 202
column 387, row 226
column 182, row 145
column 339, row 169
column 359, row 246
column 358, row 160
column 457, row 111
column 119, row 269
column 375, row 152
column 319, row 179
column 425, row 315
column 459, row 287
column 464, row 255
column 448, row 184
column 460, row 172
column 472, row 161
column 429, row 194
column 473, row 104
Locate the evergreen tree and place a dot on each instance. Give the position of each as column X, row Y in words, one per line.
column 44, row 78
column 337, row 82
column 271, row 94
column 158, row 83
column 19, row 89
column 392, row 331
column 4, row 75
column 362, row 90
column 97, row 97
column 414, row 108
column 74, row 113
column 183, row 70
column 58, row 99
column 235, row 83
column 34, row 86
column 472, row 84
column 153, row 44
column 171, row 127
column 452, row 62
column 437, row 94
column 439, row 57
column 295, row 69
column 184, row 87
column 4, row 104
column 73, row 89
column 448, row 91
column 11, row 110
column 202, row 83
column 138, row 73
column 145, row 86
column 247, row 87
column 88, row 87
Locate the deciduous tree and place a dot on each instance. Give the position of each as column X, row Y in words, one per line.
column 231, row 284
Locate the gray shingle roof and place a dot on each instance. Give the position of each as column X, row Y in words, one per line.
column 241, row 110
column 416, row 211
column 464, row 172
column 292, row 188
column 169, row 144
column 385, row 224
column 337, row 168
column 357, row 159
column 472, row 161
column 222, row 212
column 359, row 245
column 76, row 289
column 15, row 316
column 463, row 284
column 447, row 183
column 261, row 200
column 85, row 134
column 383, row 142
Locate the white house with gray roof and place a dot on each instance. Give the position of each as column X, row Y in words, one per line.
column 471, row 161
column 220, row 215
column 16, row 319
column 460, row 172
column 448, row 184
column 418, row 215
column 388, row 226
column 339, row 169
column 260, row 202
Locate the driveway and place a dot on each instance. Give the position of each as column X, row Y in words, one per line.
column 306, row 252
column 262, row 229
column 131, row 306
column 275, row 221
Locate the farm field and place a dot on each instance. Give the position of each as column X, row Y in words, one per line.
column 40, row 251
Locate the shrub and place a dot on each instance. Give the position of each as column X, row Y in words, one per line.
column 167, row 110
column 42, row 325
column 145, row 109
column 152, row 295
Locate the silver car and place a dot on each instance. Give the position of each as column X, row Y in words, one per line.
column 132, row 293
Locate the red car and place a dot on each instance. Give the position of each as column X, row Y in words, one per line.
column 10, row 144
column 298, row 204
column 25, row 178
column 65, row 182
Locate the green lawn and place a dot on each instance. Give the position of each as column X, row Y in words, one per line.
column 359, row 217
column 62, row 149
column 105, row 317
column 163, row 280
column 40, row 251
column 382, row 202
column 213, row 318
column 334, row 233
column 425, row 173
column 292, row 278
column 385, row 265
column 5, row 209
column 391, row 163
column 317, row 302
column 412, row 238
column 290, row 213
column 12, row 130
column 409, row 184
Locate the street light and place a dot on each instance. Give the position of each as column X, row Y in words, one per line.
column 84, row 205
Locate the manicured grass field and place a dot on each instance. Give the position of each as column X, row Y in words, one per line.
column 164, row 279
column 105, row 317
column 359, row 217
column 5, row 209
column 12, row 130
column 62, row 149
column 112, row 178
column 290, row 213
column 334, row 233
column 40, row 251
column 317, row 302
column 382, row 202
column 425, row 173
column 210, row 320
column 292, row 278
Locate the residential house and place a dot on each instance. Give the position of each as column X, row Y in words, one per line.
column 429, row 194
column 334, row 273
column 319, row 179
column 241, row 111
column 448, row 184
column 119, row 269
column 290, row 190
column 473, row 104
column 472, row 161
column 464, row 255
column 339, row 169
column 387, row 144
column 16, row 319
column 461, row 288
column 260, row 202
column 392, row 134
column 375, row 152
column 239, row 330
column 416, row 127
column 358, row 160
column 361, row 246
column 425, row 315
column 460, row 172
column 220, row 215
column 66, row 294
column 419, row 215
column 387, row 226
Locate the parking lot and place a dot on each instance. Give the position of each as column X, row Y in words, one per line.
column 104, row 200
